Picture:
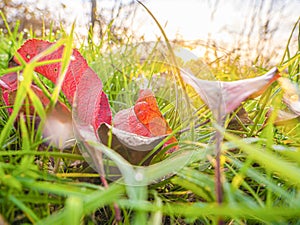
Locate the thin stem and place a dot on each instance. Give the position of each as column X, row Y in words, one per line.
column 218, row 167
column 196, row 126
column 219, row 193
column 218, row 172
column 116, row 207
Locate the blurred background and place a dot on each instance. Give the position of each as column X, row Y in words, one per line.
column 250, row 30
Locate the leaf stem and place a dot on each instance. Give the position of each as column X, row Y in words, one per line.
column 218, row 172
column 116, row 207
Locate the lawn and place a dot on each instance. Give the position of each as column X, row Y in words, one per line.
column 238, row 167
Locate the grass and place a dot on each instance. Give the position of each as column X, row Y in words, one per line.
column 260, row 161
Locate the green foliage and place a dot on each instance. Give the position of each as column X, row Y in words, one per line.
column 261, row 162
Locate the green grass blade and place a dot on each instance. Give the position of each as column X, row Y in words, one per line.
column 282, row 168
column 73, row 211
column 30, row 214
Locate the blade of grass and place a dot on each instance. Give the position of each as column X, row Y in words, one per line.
column 200, row 210
column 28, row 212
column 73, row 211
column 282, row 168
column 45, row 154
column 261, row 179
column 20, row 96
column 90, row 202
column 66, row 59
column 6, row 24
column 286, row 52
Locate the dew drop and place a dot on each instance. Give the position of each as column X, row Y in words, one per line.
column 139, row 176
column 21, row 78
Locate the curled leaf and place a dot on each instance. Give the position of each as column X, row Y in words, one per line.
column 134, row 148
column 224, row 97
column 145, row 119
column 93, row 102
column 58, row 125
column 76, row 69
column 9, row 85
column 136, row 131
column 58, row 128
column 291, row 97
column 79, row 77
column 291, row 94
column 283, row 117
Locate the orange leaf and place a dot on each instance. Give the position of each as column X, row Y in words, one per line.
column 145, row 119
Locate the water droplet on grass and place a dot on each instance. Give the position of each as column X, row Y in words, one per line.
column 139, row 176
column 21, row 78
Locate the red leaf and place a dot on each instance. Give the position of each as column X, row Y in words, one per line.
column 93, row 103
column 76, row 69
column 143, row 123
column 9, row 86
column 58, row 126
column 145, row 119
column 134, row 148
column 148, row 113
column 126, row 120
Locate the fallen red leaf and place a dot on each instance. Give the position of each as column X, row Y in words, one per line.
column 79, row 77
column 58, row 130
column 76, row 69
column 142, row 124
column 9, row 87
column 133, row 147
column 145, row 119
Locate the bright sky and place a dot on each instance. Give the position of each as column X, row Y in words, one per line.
column 222, row 21
column 193, row 19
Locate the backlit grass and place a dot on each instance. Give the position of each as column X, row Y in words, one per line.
column 40, row 184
